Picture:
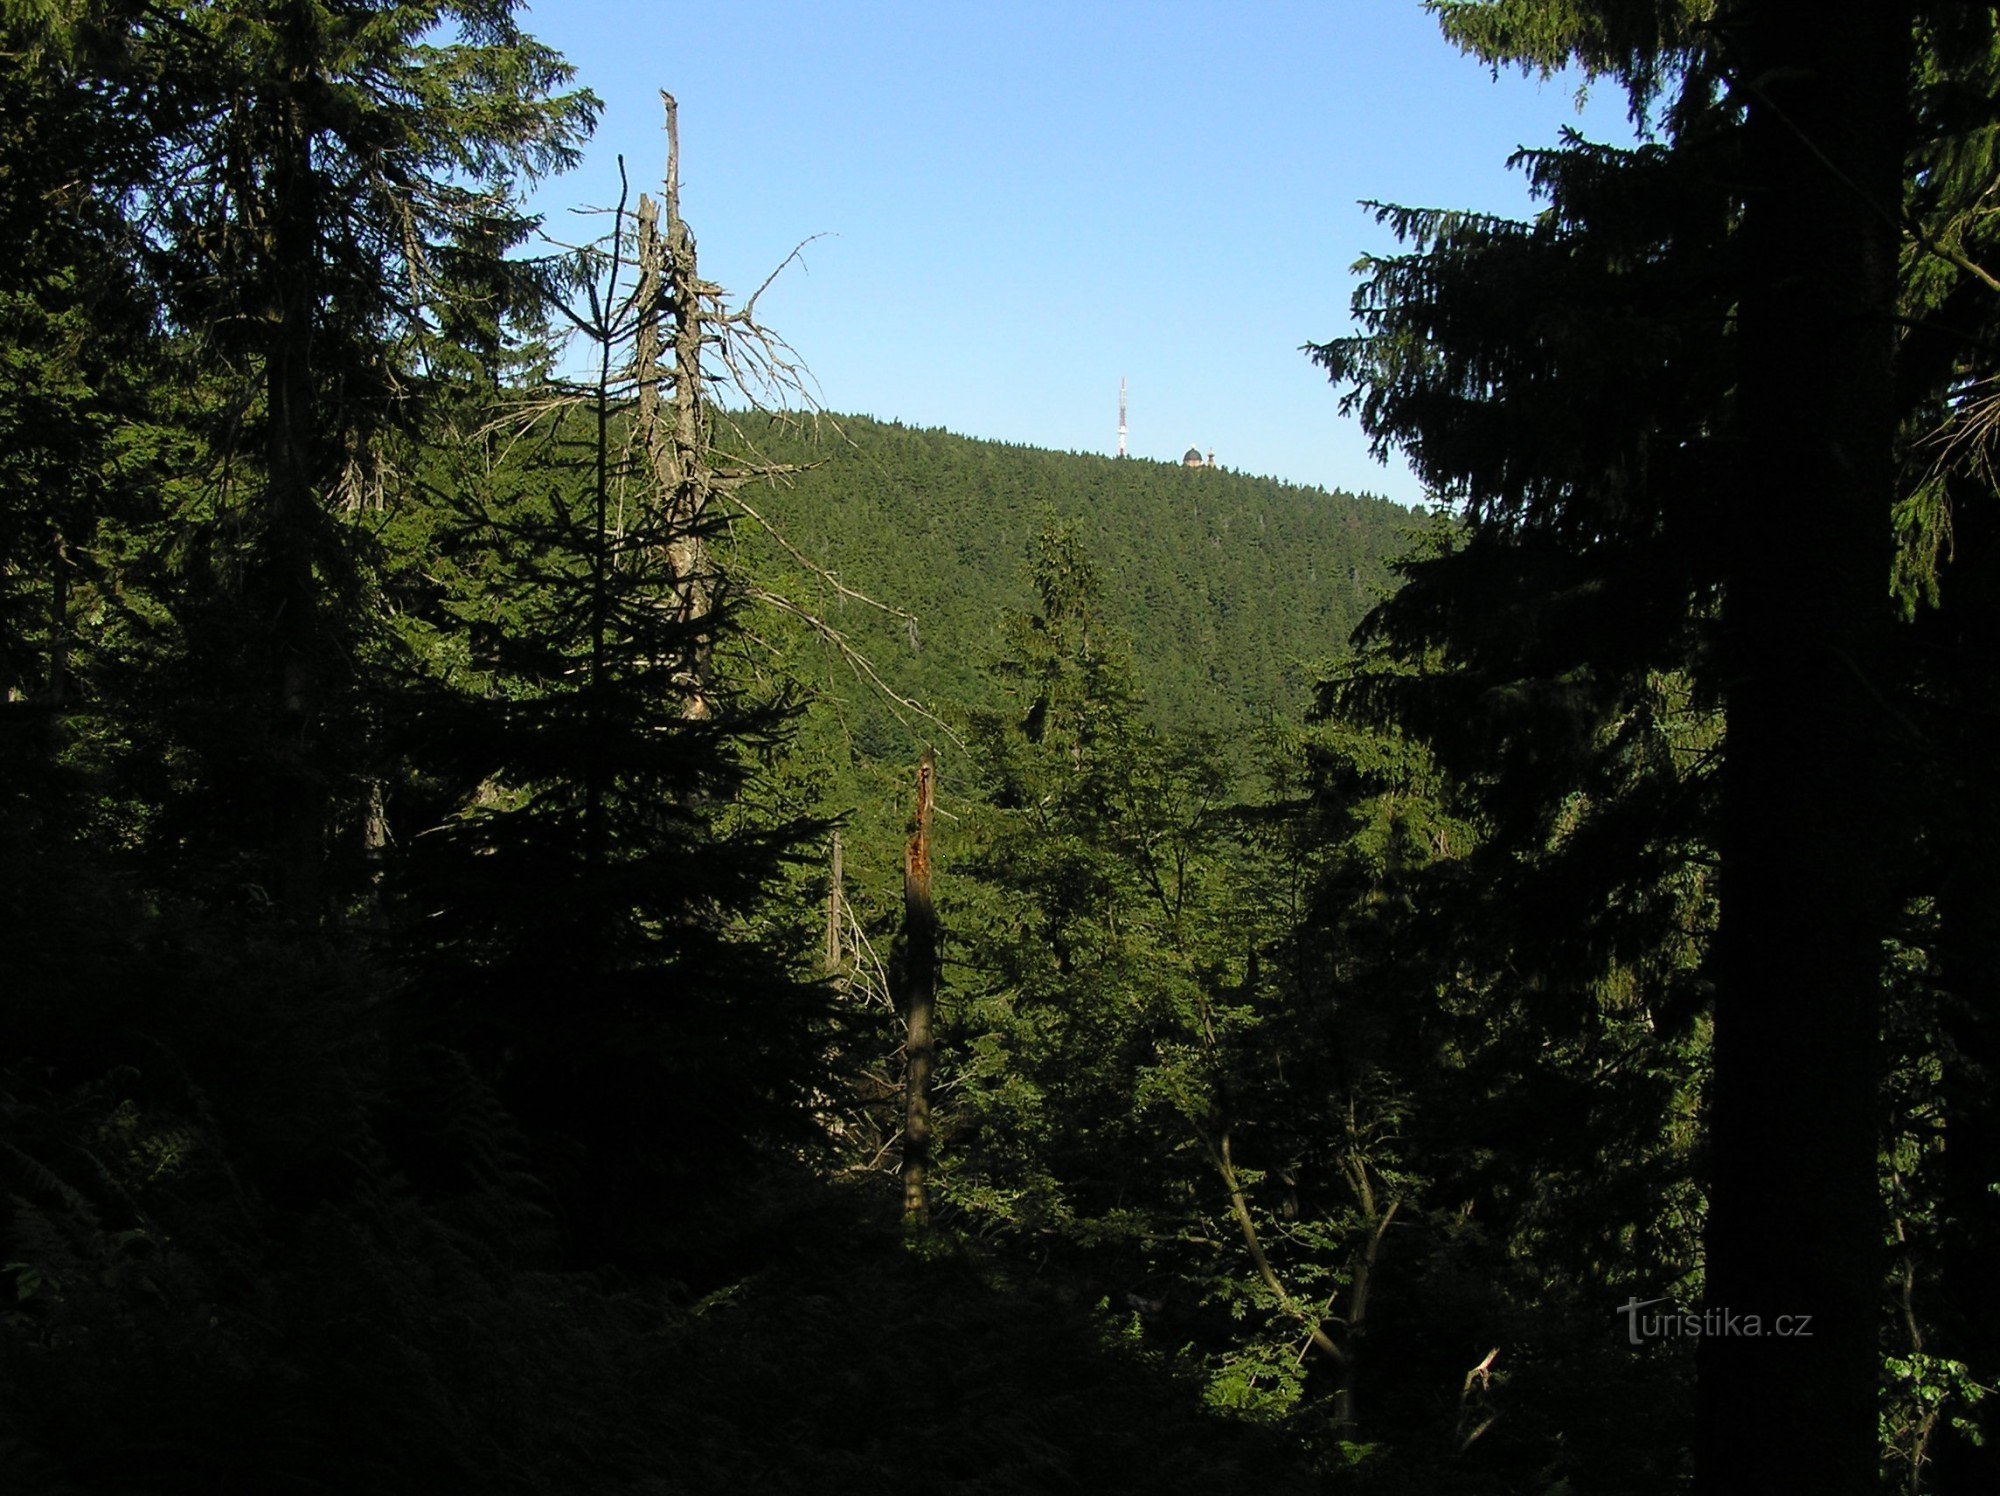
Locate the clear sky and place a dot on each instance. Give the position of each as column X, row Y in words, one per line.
column 1022, row 202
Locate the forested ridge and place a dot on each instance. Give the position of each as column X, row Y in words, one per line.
column 572, row 924
column 1233, row 591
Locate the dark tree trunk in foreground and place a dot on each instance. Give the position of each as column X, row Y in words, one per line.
column 1967, row 633
column 920, row 955
column 1793, row 1228
column 292, row 442
column 1971, row 1240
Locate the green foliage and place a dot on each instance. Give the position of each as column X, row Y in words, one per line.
column 1567, row 385
column 1231, row 589
column 1924, row 1396
column 590, row 885
column 305, row 1191
column 1639, row 44
column 1286, row 1071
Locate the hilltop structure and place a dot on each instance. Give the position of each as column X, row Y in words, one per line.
column 1194, row 459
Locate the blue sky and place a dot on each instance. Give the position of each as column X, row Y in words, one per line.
column 1020, row 203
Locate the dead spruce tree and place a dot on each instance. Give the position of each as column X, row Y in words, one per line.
column 596, row 887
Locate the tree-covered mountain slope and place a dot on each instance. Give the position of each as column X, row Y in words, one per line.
column 1227, row 589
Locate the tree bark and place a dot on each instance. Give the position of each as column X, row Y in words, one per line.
column 292, row 448
column 835, row 897
column 1239, row 1207
column 59, row 634
column 1967, row 631
column 1375, row 1222
column 596, row 836
column 920, row 956
column 686, row 477
column 1794, row 1226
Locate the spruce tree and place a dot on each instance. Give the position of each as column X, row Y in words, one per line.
column 338, row 193
column 1606, row 391
column 583, row 900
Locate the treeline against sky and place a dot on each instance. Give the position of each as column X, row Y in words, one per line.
column 455, row 815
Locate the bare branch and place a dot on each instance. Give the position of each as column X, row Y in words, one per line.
column 857, row 661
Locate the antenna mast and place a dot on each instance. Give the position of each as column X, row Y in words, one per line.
column 1121, row 415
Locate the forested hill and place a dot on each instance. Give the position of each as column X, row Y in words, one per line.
column 495, row 1001
column 1228, row 589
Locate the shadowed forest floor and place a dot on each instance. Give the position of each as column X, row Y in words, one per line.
column 853, row 1364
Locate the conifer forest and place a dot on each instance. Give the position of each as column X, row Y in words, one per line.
column 573, row 922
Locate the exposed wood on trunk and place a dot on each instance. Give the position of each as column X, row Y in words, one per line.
column 680, row 320
column 835, row 899
column 1474, row 1418
column 673, row 415
column 920, row 960
column 375, row 832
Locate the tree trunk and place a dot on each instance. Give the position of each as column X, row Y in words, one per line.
column 375, row 836
column 597, row 676
column 1375, row 1222
column 1967, row 631
column 1970, row 1331
column 834, row 903
column 1794, row 1226
column 920, row 958
column 686, row 476
column 292, row 443
column 59, row 635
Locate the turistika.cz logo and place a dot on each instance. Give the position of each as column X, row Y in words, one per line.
column 1686, row 1324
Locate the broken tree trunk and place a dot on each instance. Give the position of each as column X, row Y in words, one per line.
column 834, row 896
column 920, row 946
column 674, row 323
